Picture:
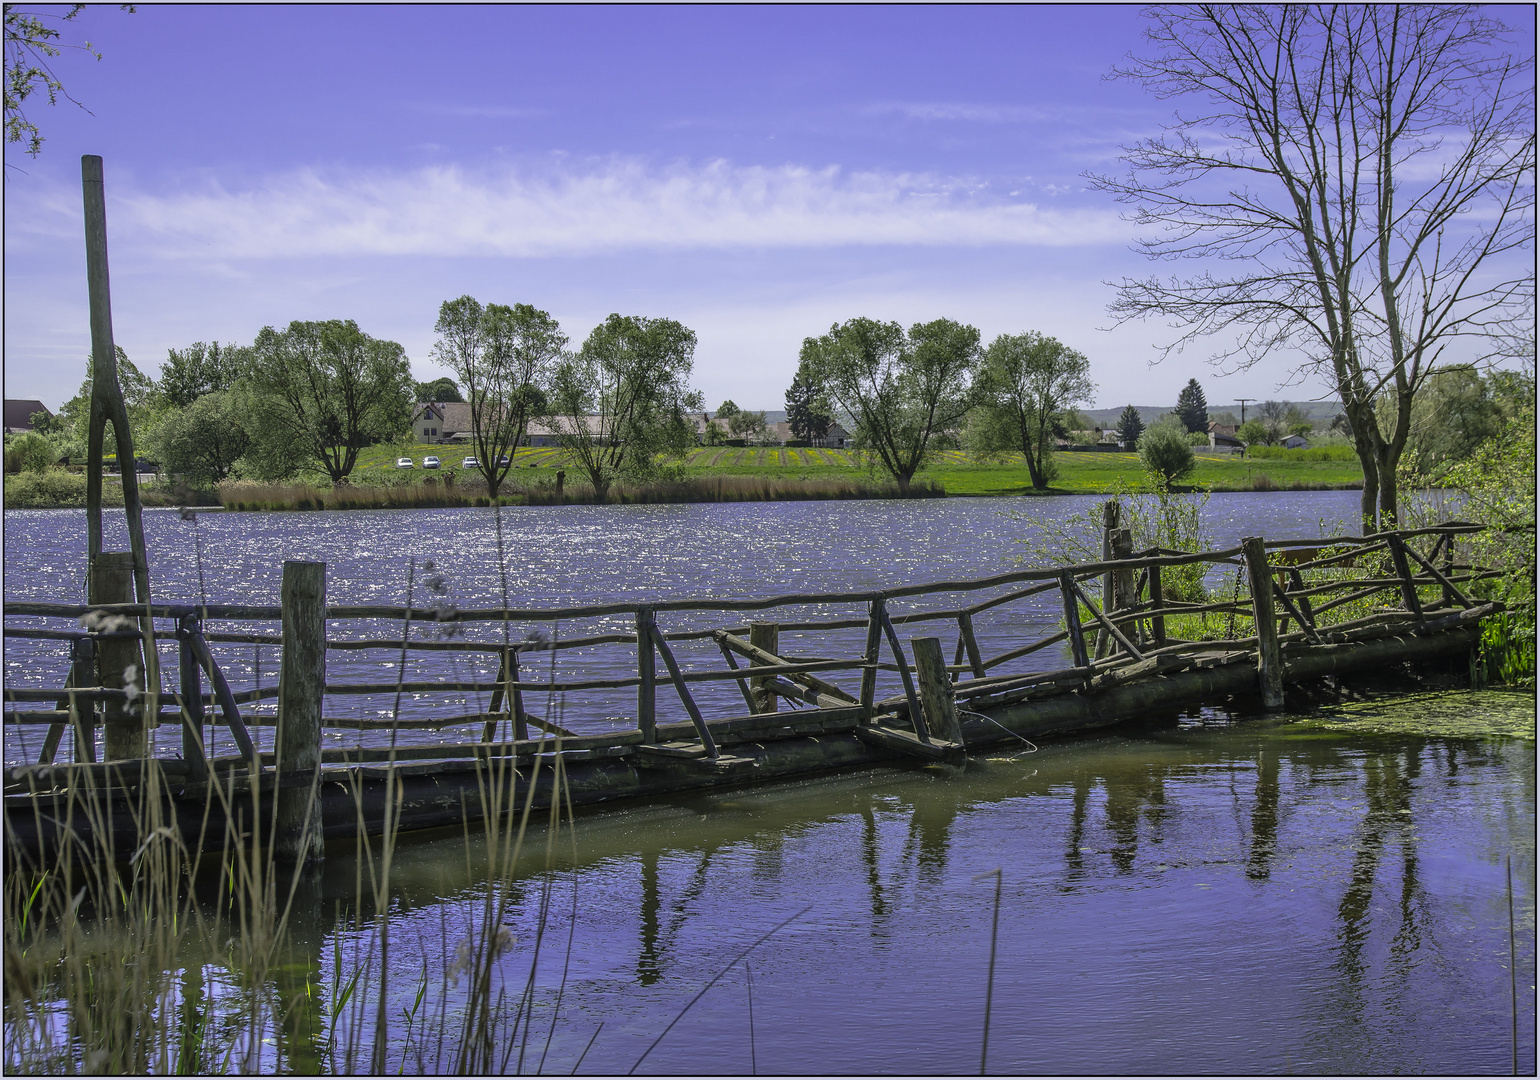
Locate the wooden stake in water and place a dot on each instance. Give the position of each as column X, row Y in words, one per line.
column 989, row 990
column 1513, row 978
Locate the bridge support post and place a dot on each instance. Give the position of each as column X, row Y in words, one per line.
column 124, row 735
column 1269, row 656
column 937, row 703
column 301, row 686
column 764, row 635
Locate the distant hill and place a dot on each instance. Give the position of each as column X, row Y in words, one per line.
column 1312, row 410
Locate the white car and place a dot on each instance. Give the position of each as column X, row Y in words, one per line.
column 470, row 463
column 403, row 463
column 430, row 462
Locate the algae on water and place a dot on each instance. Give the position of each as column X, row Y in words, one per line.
column 1470, row 714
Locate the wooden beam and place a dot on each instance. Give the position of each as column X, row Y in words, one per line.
column 1269, row 660
column 302, row 683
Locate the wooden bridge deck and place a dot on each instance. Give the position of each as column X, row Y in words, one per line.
column 796, row 717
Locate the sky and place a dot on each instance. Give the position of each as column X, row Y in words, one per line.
column 757, row 173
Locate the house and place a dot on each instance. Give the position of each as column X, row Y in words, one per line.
column 544, row 432
column 1218, row 440
column 18, row 414
column 1216, row 428
column 1296, row 442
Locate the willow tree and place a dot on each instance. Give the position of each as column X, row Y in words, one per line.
column 1026, row 385
column 324, row 391
column 1353, row 187
column 903, row 390
column 623, row 400
column 504, row 358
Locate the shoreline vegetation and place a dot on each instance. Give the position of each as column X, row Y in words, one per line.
column 706, row 475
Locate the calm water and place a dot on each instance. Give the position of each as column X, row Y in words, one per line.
column 1186, row 894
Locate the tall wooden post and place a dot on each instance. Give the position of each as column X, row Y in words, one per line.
column 647, row 669
column 107, row 406
column 124, row 731
column 764, row 635
column 1157, row 601
column 1269, row 657
column 194, row 750
column 1124, row 589
column 1403, row 569
column 1072, row 621
column 301, row 687
column 937, row 703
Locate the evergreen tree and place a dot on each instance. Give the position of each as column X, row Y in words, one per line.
column 1191, row 407
column 807, row 414
column 1130, row 427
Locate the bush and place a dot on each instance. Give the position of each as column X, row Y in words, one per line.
column 29, row 453
column 52, row 488
column 1165, row 455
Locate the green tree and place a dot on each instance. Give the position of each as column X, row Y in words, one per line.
column 1368, row 173
column 1192, row 407
column 903, row 390
column 624, row 399
column 807, row 413
column 1165, row 454
column 747, row 424
column 504, row 357
column 727, row 410
column 141, row 399
column 1253, row 433
column 1130, row 427
column 205, row 440
column 323, row 391
column 1025, row 383
column 30, row 452
column 30, row 46
column 441, row 390
column 188, row 374
column 1458, row 412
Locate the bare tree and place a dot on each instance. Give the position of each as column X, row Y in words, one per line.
column 1357, row 186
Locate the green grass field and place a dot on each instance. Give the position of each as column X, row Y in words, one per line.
column 959, row 472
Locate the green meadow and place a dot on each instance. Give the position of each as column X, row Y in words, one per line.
column 957, row 471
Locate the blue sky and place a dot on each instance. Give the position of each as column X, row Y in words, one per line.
column 756, row 173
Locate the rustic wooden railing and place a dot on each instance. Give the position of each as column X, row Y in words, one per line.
column 1116, row 620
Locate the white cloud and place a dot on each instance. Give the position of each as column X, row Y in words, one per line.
column 616, row 206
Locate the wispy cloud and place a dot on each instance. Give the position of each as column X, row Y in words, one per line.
column 956, row 110
column 614, row 206
column 486, row 112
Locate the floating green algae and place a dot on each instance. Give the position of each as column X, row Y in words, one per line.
column 1458, row 714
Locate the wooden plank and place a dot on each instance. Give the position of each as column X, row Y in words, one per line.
column 743, row 684
column 1409, row 597
column 797, row 673
column 916, row 714
column 684, row 693
column 1076, row 633
column 1108, row 624
column 905, row 742
column 971, row 644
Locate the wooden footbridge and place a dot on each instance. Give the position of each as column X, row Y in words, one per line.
column 1301, row 611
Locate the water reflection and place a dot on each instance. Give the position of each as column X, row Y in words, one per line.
column 1343, row 899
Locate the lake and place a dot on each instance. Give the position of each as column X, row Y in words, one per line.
column 1201, row 892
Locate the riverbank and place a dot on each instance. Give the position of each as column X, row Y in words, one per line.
column 710, row 474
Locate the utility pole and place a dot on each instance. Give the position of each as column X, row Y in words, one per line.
column 1243, row 406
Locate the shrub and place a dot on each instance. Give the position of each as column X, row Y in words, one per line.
column 1165, row 454
column 29, row 453
column 54, row 487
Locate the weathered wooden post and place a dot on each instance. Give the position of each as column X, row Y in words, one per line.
column 1403, row 567
column 1072, row 620
column 874, row 619
column 1269, row 657
column 1157, row 601
column 764, row 635
column 1449, row 595
column 194, row 751
column 970, row 643
column 1112, row 512
column 647, row 669
column 124, row 734
column 301, row 686
column 1124, row 590
column 937, row 703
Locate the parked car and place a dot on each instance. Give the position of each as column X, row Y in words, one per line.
column 403, row 463
column 430, row 462
column 502, row 459
column 470, row 463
